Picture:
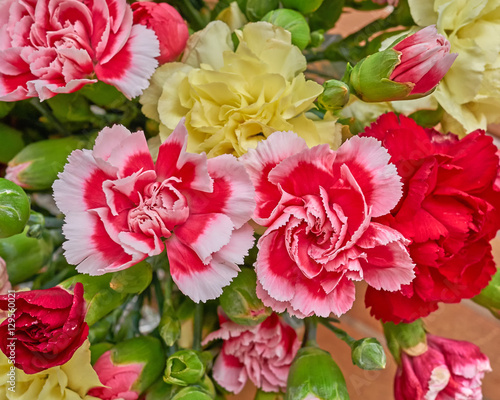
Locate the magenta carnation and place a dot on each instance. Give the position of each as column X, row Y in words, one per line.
column 121, row 207
column 318, row 206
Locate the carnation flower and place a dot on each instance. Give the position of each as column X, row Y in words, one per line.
column 448, row 369
column 469, row 93
column 261, row 353
column 448, row 211
column 51, row 47
column 120, row 208
column 232, row 99
column 49, row 327
column 72, row 380
column 318, row 205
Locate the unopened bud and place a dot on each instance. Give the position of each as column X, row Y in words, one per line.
column 256, row 9
column 335, row 95
column 368, row 354
column 14, row 208
column 292, row 21
column 314, row 375
column 240, row 302
column 185, row 367
column 36, row 166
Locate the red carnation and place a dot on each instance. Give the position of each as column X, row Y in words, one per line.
column 447, row 211
column 48, row 327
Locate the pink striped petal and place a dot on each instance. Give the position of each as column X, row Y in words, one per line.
column 368, row 163
column 79, row 186
column 229, row 372
column 435, row 74
column 108, row 139
column 205, row 234
column 173, row 160
column 242, row 240
column 131, row 155
column 130, row 69
column 260, row 161
column 199, row 281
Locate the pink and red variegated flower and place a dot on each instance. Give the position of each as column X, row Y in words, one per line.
column 318, row 206
column 121, row 207
column 261, row 353
column 57, row 46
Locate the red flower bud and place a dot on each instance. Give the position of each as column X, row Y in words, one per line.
column 166, row 22
column 425, row 59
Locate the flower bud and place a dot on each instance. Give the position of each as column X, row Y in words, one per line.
column 14, row 208
column 304, row 7
column 256, row 9
column 317, row 38
column 292, row 21
column 240, row 302
column 335, row 95
column 36, row 166
column 129, row 368
column 410, row 69
column 25, row 256
column 490, row 296
column 261, row 395
column 168, row 25
column 185, row 367
column 409, row 338
column 368, row 354
column 314, row 374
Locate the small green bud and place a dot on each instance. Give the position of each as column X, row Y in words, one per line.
column 36, row 166
column 14, row 208
column 368, row 354
column 303, row 6
column 317, row 38
column 240, row 302
column 256, row 9
column 335, row 95
column 25, row 256
column 314, row 374
column 191, row 393
column 184, row 367
column 170, row 327
column 369, row 79
column 292, row 21
column 490, row 296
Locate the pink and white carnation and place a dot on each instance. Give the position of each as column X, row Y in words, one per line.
column 121, row 207
column 449, row 369
column 318, row 205
column 57, row 46
column 261, row 353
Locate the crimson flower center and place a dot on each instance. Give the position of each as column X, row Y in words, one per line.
column 162, row 207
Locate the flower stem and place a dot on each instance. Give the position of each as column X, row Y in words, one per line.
column 47, row 113
column 341, row 334
column 198, row 326
column 311, row 324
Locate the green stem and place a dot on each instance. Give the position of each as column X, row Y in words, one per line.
column 198, row 326
column 45, row 110
column 342, row 335
column 192, row 15
column 311, row 324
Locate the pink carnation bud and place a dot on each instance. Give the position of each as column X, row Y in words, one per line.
column 449, row 369
column 167, row 23
column 117, row 379
column 425, row 59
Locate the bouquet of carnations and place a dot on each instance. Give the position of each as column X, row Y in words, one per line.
column 191, row 189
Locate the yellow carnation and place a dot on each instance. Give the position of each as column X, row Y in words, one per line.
column 70, row 381
column 232, row 99
column 470, row 91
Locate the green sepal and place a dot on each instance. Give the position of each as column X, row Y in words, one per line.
column 304, row 7
column 240, row 302
column 14, row 208
column 185, row 367
column 335, row 95
column 134, row 279
column 401, row 337
column 12, row 142
column 490, row 296
column 261, row 395
column 314, row 374
column 256, row 9
column 370, row 81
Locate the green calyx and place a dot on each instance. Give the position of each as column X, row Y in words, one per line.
column 14, row 208
column 410, row 338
